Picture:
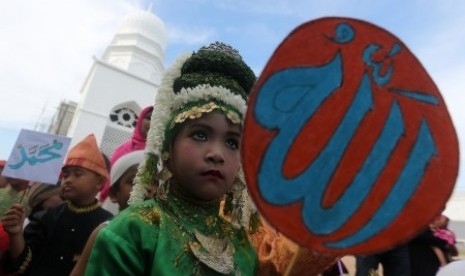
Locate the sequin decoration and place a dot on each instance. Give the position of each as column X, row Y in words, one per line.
column 198, row 111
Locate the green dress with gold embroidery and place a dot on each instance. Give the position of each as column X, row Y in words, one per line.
column 171, row 237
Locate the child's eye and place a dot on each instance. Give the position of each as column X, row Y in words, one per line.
column 232, row 143
column 78, row 172
column 199, row 136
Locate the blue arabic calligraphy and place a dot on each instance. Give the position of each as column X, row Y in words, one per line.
column 44, row 154
column 289, row 99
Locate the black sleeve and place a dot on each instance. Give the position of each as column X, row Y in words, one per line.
column 427, row 237
column 35, row 235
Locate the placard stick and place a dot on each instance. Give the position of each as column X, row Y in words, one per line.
column 25, row 191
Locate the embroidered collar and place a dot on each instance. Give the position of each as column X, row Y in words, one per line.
column 209, row 237
column 191, row 216
column 85, row 209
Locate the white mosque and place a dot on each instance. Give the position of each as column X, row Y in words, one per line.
column 119, row 85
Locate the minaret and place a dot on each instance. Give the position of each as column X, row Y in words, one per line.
column 122, row 83
column 139, row 46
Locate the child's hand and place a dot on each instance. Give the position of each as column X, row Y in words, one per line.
column 13, row 220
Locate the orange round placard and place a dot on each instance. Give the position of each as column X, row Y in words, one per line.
column 348, row 146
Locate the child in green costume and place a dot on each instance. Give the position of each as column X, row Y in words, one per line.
column 193, row 155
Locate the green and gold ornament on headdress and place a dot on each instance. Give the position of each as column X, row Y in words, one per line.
column 215, row 78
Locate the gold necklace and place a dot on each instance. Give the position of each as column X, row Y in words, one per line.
column 80, row 210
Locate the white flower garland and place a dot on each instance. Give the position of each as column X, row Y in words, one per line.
column 156, row 135
column 162, row 109
column 206, row 91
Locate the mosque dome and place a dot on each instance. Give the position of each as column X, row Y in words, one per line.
column 138, row 46
column 146, row 24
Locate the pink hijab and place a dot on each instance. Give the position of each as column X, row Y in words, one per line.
column 137, row 142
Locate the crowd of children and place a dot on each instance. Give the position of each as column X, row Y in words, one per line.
column 52, row 243
column 183, row 203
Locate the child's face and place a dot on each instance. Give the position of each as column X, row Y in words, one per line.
column 146, row 124
column 125, row 183
column 440, row 222
column 205, row 156
column 80, row 186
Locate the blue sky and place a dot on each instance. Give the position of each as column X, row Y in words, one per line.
column 48, row 46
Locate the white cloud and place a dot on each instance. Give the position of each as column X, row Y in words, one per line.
column 47, row 48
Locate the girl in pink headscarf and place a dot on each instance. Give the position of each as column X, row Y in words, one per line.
column 139, row 136
column 137, row 142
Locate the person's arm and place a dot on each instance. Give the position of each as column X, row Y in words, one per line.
column 126, row 246
column 80, row 266
column 24, row 244
column 113, row 255
column 13, row 221
column 19, row 255
column 278, row 255
column 440, row 255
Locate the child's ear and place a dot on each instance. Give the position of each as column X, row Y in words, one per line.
column 101, row 182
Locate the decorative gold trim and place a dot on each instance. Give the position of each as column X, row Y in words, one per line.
column 213, row 252
column 26, row 261
column 80, row 210
column 198, row 111
column 165, row 174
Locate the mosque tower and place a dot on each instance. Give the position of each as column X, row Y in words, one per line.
column 122, row 83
